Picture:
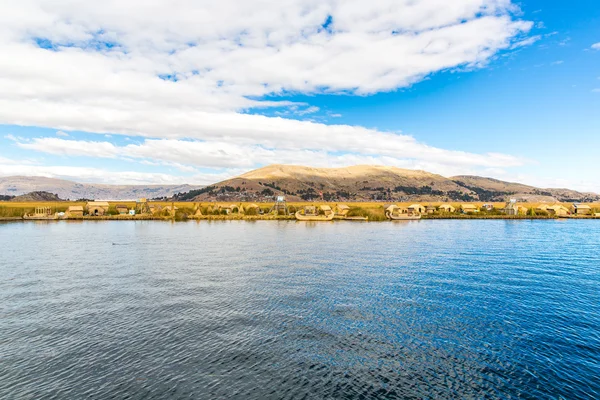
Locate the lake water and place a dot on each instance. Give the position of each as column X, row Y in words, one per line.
column 253, row 310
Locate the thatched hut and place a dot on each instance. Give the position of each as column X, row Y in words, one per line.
column 469, row 208
column 558, row 210
column 121, row 209
column 447, row 208
column 97, row 208
column 488, row 207
column 326, row 210
column 430, row 209
column 542, row 208
column 416, row 209
column 74, row 211
column 581, row 209
column 341, row 210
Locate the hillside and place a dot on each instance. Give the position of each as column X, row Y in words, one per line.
column 37, row 196
column 371, row 183
column 18, row 185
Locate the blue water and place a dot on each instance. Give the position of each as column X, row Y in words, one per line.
column 253, row 310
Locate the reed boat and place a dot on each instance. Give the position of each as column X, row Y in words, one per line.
column 41, row 214
column 396, row 213
column 356, row 218
column 311, row 213
column 40, row 217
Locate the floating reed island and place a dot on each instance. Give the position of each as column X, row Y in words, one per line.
column 143, row 209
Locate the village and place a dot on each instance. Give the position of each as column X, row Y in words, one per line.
column 142, row 209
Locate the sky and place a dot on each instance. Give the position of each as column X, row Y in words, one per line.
column 195, row 92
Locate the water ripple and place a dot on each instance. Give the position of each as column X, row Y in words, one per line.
column 434, row 309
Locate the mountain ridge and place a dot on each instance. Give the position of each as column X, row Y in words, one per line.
column 66, row 189
column 373, row 183
column 302, row 183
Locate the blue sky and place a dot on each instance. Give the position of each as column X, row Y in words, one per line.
column 487, row 87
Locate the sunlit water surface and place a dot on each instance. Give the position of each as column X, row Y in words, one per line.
column 428, row 309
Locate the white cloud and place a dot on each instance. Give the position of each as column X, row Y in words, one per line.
column 183, row 77
column 61, row 133
column 596, row 46
column 403, row 151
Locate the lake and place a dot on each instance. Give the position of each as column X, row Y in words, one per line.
column 267, row 309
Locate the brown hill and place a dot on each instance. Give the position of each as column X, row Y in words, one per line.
column 37, row 196
column 368, row 183
column 523, row 192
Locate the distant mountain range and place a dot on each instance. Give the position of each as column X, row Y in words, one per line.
column 373, row 183
column 19, row 185
column 298, row 183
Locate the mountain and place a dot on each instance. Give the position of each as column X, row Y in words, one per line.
column 18, row 185
column 37, row 196
column 372, row 183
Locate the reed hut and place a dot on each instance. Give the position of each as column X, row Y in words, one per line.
column 581, row 209
column 122, row 209
column 558, row 210
column 469, row 208
column 97, row 208
column 326, row 210
column 447, row 208
column 394, row 209
column 430, row 209
column 416, row 209
column 341, row 210
column 74, row 211
column 488, row 207
column 252, row 209
column 542, row 208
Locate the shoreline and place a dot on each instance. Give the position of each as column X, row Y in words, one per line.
column 289, row 218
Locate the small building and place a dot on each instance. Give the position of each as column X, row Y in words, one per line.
column 488, row 207
column 326, row 210
column 581, row 209
column 469, row 208
column 557, row 210
column 122, row 209
column 430, row 209
column 447, row 208
column 229, row 209
column 251, row 209
column 394, row 209
column 416, row 209
column 74, row 211
column 97, row 208
column 542, row 208
column 341, row 210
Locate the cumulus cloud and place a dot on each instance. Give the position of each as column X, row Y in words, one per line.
column 185, row 77
column 61, row 133
column 596, row 46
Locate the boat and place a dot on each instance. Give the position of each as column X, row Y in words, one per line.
column 41, row 214
column 396, row 213
column 312, row 213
